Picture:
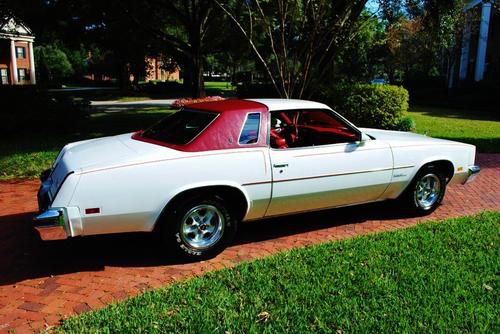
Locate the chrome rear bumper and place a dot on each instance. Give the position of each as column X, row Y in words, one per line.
column 472, row 173
column 51, row 224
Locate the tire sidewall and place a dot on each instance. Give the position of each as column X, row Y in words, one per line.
column 173, row 227
column 412, row 199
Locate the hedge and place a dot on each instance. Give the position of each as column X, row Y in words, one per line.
column 366, row 105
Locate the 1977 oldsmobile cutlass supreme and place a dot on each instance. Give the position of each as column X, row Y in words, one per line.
column 196, row 174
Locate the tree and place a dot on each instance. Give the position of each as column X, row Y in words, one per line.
column 295, row 40
column 52, row 63
column 364, row 55
column 181, row 28
column 423, row 37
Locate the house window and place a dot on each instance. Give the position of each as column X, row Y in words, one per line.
column 22, row 74
column 4, row 76
column 20, row 52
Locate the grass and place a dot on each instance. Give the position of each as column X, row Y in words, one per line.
column 435, row 277
column 221, row 88
column 218, row 85
column 26, row 156
column 133, row 98
column 479, row 128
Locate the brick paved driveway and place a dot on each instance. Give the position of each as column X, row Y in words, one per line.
column 40, row 283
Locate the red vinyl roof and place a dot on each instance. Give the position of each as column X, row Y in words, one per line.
column 229, row 105
column 224, row 132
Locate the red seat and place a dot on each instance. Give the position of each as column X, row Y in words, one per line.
column 277, row 141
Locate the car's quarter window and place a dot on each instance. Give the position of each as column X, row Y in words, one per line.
column 303, row 128
column 181, row 127
column 250, row 131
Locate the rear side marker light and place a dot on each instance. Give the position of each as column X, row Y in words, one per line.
column 90, row 211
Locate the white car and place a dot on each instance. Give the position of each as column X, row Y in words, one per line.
column 199, row 172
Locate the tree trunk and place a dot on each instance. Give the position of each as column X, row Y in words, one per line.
column 187, row 76
column 123, row 76
column 198, row 85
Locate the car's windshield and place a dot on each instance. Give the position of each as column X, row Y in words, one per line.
column 181, row 127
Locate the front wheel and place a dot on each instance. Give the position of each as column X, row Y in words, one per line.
column 199, row 228
column 426, row 191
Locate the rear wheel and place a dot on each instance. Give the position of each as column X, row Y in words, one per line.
column 426, row 191
column 199, row 228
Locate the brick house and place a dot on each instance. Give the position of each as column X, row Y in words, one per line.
column 155, row 71
column 17, row 64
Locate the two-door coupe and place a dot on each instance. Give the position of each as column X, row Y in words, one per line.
column 196, row 174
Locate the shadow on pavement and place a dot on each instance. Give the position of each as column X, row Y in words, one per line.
column 24, row 256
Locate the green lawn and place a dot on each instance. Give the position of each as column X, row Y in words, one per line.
column 433, row 278
column 221, row 88
column 479, row 128
column 26, row 156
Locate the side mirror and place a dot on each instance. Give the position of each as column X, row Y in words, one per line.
column 365, row 137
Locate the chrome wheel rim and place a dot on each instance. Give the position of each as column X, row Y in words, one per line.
column 202, row 226
column 427, row 191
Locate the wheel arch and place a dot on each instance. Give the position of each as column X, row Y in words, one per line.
column 236, row 197
column 442, row 164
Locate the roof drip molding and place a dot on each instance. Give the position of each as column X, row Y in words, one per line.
column 11, row 27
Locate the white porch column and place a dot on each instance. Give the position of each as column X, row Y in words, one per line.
column 483, row 42
column 464, row 56
column 14, row 61
column 32, row 63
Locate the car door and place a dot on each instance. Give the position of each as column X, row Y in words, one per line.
column 321, row 162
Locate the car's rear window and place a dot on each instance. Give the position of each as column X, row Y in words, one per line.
column 181, row 127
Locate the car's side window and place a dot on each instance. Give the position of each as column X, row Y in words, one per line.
column 303, row 128
column 250, row 131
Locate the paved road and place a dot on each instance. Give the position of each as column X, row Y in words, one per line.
column 119, row 106
column 40, row 283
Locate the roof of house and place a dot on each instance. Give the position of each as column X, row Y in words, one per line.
column 11, row 26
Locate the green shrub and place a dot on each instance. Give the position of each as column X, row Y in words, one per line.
column 378, row 106
column 406, row 123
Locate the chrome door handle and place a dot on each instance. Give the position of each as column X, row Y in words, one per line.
column 280, row 165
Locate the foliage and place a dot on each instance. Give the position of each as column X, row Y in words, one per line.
column 406, row 123
column 423, row 38
column 435, row 277
column 256, row 90
column 378, row 106
column 52, row 63
column 184, row 102
column 295, row 41
column 179, row 29
column 362, row 57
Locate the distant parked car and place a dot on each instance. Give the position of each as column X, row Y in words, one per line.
column 195, row 175
column 378, row 81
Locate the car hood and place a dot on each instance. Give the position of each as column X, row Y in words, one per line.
column 400, row 138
